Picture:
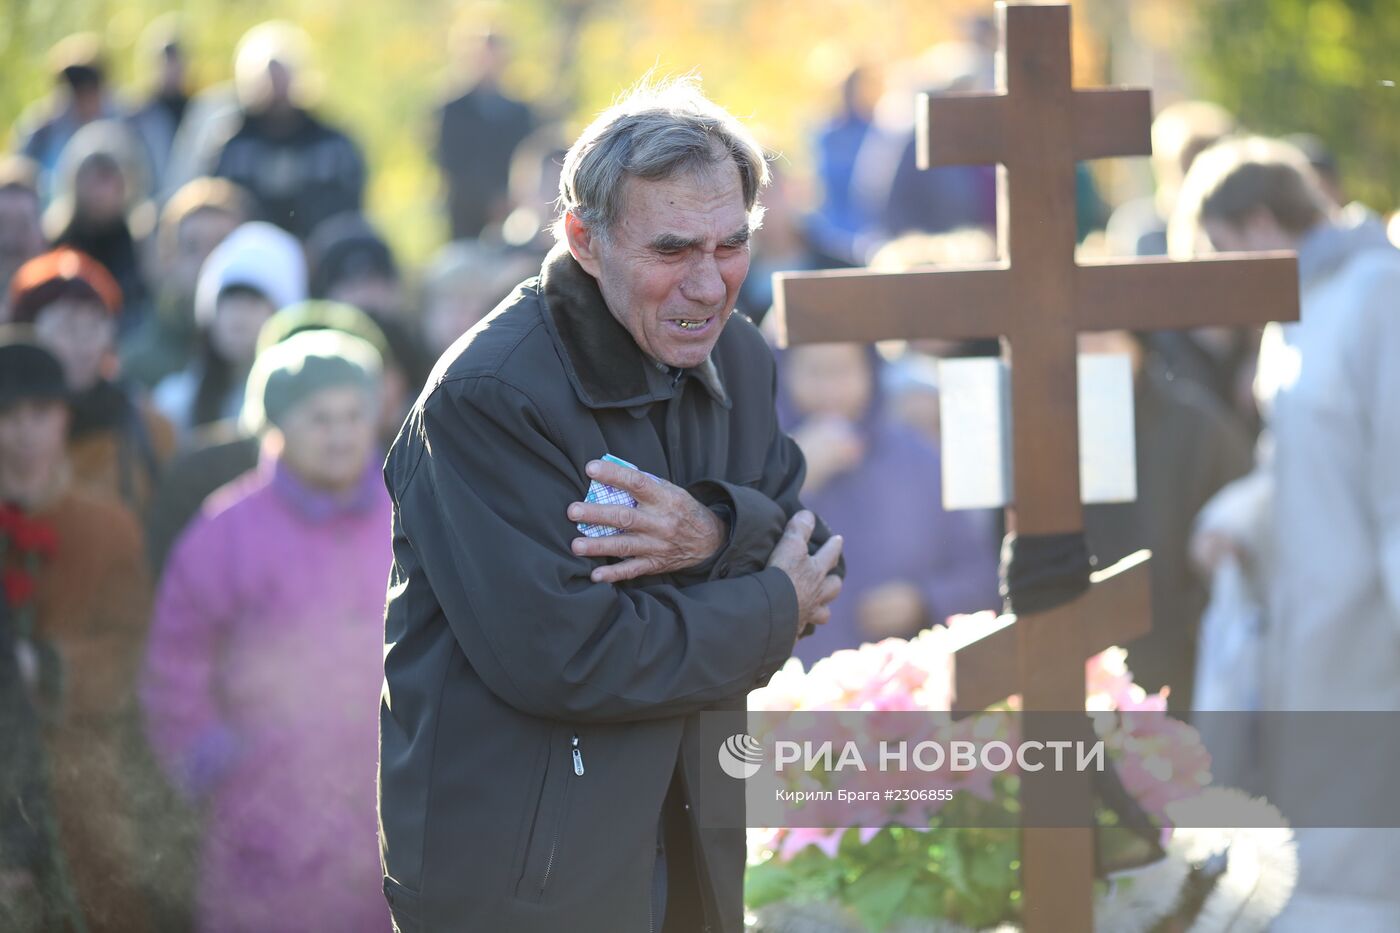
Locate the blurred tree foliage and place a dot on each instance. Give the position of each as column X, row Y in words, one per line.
column 384, row 66
column 1328, row 67
column 1285, row 65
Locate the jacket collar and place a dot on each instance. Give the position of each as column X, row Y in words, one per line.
column 606, row 367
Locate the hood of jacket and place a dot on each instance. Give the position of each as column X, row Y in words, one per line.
column 1328, row 247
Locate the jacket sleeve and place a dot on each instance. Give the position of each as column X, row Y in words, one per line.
column 1378, row 333
column 484, row 512
column 187, row 732
column 760, row 512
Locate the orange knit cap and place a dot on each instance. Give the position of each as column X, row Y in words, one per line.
column 61, row 273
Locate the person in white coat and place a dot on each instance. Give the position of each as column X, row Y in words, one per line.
column 1330, row 387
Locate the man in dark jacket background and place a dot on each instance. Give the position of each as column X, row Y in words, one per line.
column 299, row 169
column 541, row 742
column 477, row 134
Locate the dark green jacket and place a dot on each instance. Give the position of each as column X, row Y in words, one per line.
column 499, row 650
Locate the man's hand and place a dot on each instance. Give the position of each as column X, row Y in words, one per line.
column 667, row 531
column 811, row 575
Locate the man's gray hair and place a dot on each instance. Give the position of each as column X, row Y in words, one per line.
column 657, row 130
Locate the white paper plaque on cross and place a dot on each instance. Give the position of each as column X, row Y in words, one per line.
column 975, row 415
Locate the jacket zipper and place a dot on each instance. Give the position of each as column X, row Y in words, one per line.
column 700, row 863
column 559, row 824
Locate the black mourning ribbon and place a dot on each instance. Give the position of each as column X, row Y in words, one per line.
column 1040, row 572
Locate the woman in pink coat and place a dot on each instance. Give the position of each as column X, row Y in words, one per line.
column 262, row 680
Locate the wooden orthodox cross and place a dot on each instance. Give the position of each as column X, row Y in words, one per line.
column 1036, row 126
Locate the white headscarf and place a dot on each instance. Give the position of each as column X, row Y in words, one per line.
column 259, row 256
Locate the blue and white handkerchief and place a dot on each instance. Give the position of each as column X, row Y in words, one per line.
column 604, row 494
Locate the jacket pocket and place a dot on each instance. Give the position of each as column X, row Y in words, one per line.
column 403, row 905
column 564, row 766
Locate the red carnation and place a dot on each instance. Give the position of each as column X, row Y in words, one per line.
column 19, row 587
column 10, row 518
column 21, row 534
column 43, row 539
column 31, row 536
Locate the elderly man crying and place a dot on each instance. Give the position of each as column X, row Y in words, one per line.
column 558, row 622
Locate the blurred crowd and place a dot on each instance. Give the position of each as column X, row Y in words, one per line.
column 207, row 346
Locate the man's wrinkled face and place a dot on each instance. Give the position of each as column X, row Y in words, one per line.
column 671, row 267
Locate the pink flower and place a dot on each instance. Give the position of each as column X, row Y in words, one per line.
column 1161, row 760
column 797, row 838
column 1109, row 685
